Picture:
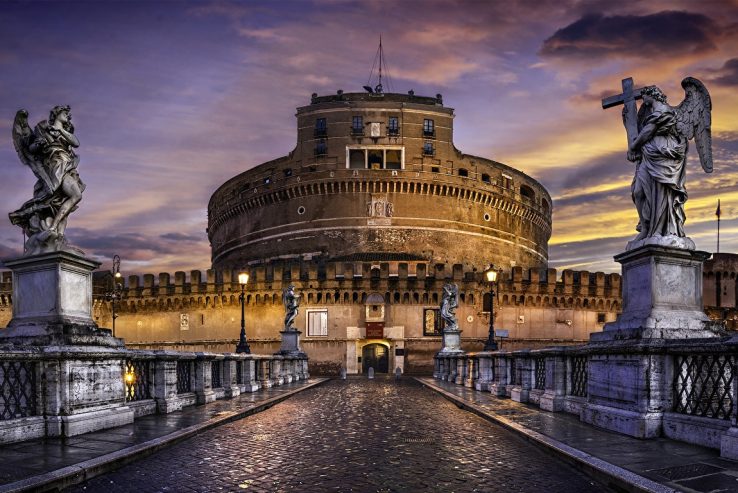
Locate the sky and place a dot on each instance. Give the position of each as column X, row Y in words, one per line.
column 171, row 98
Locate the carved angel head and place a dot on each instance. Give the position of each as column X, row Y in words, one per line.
column 654, row 93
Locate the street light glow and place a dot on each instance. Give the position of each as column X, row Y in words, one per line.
column 491, row 274
column 243, row 278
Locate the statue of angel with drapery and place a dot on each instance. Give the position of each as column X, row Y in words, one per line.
column 291, row 301
column 660, row 152
column 48, row 149
column 449, row 303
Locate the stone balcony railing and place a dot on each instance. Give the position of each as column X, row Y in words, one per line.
column 67, row 391
column 696, row 385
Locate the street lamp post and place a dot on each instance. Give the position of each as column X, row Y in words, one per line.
column 243, row 346
column 491, row 276
column 116, row 292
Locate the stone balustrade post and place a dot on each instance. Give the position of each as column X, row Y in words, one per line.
column 452, row 369
column 472, row 366
column 524, row 371
column 554, row 395
column 164, row 390
column 501, row 374
column 485, row 372
column 461, row 369
column 203, row 387
column 263, row 372
column 232, row 389
column 249, row 380
column 275, row 363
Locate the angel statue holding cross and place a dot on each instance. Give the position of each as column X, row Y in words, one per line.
column 657, row 144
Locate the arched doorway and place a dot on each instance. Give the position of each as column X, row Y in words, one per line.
column 375, row 356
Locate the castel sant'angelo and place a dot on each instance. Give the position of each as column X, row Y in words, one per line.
column 370, row 214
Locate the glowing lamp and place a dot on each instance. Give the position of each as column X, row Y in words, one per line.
column 491, row 275
column 130, row 378
column 243, row 278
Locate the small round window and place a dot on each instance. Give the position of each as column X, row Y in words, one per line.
column 487, row 216
column 301, row 210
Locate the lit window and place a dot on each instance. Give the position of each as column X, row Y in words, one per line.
column 432, row 322
column 317, row 322
column 429, row 129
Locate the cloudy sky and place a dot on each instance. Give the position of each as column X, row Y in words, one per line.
column 172, row 98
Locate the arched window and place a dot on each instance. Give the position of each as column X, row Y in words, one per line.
column 463, row 172
column 485, row 178
column 527, row 192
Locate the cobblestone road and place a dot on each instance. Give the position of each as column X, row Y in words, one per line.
column 356, row 435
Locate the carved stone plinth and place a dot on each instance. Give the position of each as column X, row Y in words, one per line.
column 662, row 296
column 291, row 344
column 52, row 302
column 451, row 342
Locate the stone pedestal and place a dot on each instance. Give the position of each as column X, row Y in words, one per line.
column 52, row 302
column 662, row 296
column 629, row 384
column 291, row 344
column 451, row 342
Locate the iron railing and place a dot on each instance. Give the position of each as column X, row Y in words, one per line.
column 184, row 377
column 137, row 380
column 17, row 389
column 703, row 385
column 540, row 373
column 239, row 372
column 578, row 376
column 215, row 374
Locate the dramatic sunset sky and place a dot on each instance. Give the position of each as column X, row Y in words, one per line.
column 172, row 98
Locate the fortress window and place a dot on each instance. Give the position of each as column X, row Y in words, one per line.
column 320, row 128
column 321, row 148
column 600, row 318
column 288, row 172
column 428, row 149
column 357, row 125
column 435, row 169
column 317, row 322
column 507, row 181
column 267, row 180
column 393, row 159
column 429, row 129
column 374, row 159
column 357, row 159
column 485, row 178
column 393, row 127
column 463, row 172
column 527, row 192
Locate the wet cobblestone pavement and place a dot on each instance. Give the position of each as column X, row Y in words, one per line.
column 352, row 436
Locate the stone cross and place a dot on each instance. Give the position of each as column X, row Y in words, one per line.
column 628, row 98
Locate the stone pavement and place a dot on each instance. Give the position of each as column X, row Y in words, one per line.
column 354, row 435
column 39, row 465
column 648, row 465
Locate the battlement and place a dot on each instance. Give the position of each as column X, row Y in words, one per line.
column 377, row 276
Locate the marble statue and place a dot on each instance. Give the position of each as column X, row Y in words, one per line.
column 48, row 149
column 291, row 303
column 658, row 143
column 449, row 303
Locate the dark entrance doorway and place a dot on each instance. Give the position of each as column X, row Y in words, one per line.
column 375, row 356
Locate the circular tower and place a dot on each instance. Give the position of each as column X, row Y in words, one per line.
column 377, row 176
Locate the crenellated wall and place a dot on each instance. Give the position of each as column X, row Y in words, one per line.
column 201, row 310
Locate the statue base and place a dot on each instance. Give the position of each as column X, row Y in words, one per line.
column 291, row 344
column 52, row 302
column 662, row 295
column 451, row 342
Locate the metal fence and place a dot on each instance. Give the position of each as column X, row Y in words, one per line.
column 17, row 389
column 578, row 376
column 540, row 373
column 137, row 380
column 184, row 377
column 703, row 385
column 216, row 368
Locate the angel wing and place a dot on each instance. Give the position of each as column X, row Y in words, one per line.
column 23, row 136
column 694, row 118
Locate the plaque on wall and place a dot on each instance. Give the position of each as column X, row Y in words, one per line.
column 375, row 330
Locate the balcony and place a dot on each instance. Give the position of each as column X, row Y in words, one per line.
column 393, row 132
column 320, row 133
column 357, row 131
column 429, row 134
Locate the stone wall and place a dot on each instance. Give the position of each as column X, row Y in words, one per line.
column 201, row 311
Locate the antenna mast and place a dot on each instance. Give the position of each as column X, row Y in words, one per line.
column 379, row 59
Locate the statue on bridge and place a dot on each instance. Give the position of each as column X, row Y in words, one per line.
column 48, row 149
column 291, row 302
column 449, row 303
column 658, row 136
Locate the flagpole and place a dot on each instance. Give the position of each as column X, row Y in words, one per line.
column 717, row 213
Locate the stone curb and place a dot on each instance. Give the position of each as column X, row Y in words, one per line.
column 78, row 473
column 610, row 474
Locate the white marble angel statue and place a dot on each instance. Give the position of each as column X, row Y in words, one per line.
column 291, row 302
column 449, row 303
column 48, row 149
column 660, row 153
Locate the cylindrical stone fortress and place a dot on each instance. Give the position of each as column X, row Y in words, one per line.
column 378, row 176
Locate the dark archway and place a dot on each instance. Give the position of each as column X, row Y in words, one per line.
column 375, row 356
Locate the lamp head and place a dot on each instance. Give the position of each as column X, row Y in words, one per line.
column 491, row 274
column 118, row 275
column 243, row 278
